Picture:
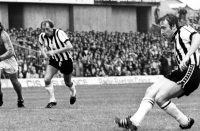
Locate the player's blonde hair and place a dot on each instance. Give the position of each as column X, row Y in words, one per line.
column 50, row 22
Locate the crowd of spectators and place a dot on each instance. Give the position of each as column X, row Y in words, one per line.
column 98, row 53
column 120, row 54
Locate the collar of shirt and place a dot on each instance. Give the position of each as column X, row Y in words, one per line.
column 173, row 36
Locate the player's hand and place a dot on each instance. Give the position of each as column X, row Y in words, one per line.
column 50, row 53
column 184, row 63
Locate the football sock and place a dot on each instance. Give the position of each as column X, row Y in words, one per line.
column 50, row 90
column 145, row 106
column 173, row 111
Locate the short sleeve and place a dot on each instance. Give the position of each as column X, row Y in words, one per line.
column 187, row 32
column 62, row 36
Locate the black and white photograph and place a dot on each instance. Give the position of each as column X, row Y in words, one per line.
column 99, row 65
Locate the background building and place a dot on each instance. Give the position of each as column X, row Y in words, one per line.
column 79, row 15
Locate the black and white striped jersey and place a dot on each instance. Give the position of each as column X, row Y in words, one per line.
column 183, row 39
column 58, row 41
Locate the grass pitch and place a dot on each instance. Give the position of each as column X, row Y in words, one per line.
column 95, row 109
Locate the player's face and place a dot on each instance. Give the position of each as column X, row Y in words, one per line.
column 47, row 29
column 166, row 31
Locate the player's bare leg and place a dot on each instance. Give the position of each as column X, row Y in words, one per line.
column 50, row 72
column 147, row 103
column 163, row 99
column 18, row 89
column 71, row 86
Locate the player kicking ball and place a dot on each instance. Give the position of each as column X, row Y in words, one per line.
column 180, row 82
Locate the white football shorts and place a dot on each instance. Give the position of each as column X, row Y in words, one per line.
column 9, row 65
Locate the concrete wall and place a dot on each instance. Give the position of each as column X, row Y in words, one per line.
column 150, row 17
column 77, row 17
column 4, row 14
column 101, row 18
column 124, row 19
column 35, row 13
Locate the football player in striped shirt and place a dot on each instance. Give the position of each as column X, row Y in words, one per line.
column 9, row 64
column 55, row 45
column 180, row 82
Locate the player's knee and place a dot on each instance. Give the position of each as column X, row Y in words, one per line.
column 160, row 100
column 150, row 92
column 13, row 77
column 14, row 80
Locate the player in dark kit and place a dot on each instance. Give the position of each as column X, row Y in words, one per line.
column 55, row 45
column 9, row 64
column 180, row 82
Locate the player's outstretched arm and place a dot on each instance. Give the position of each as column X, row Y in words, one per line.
column 67, row 47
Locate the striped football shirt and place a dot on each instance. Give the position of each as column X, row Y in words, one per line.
column 58, row 41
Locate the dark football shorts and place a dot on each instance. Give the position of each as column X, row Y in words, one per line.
column 189, row 78
column 65, row 67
